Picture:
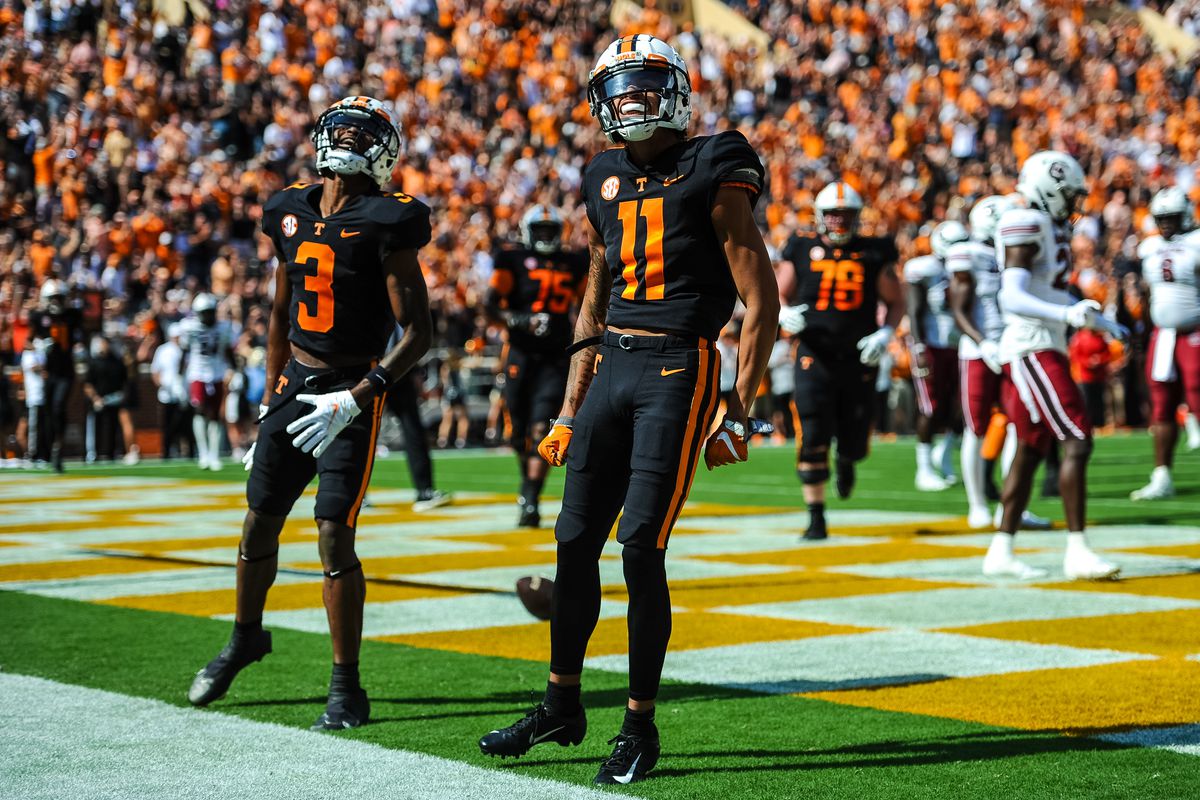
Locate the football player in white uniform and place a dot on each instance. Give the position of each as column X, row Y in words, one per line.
column 207, row 360
column 1169, row 269
column 1033, row 248
column 933, row 343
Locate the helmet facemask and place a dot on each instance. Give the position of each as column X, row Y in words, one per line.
column 634, row 99
column 544, row 236
column 838, row 224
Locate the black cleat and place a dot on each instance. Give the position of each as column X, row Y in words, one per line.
column 530, row 517
column 1050, row 483
column 631, row 759
column 212, row 682
column 845, row 478
column 816, row 527
column 539, row 725
column 344, row 710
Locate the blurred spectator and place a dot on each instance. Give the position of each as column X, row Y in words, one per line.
column 454, row 403
column 175, row 411
column 104, row 388
column 1090, row 359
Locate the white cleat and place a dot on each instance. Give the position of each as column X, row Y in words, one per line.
column 1002, row 565
column 1084, row 564
column 1192, row 425
column 931, row 482
column 979, row 518
column 1160, row 486
column 214, row 463
column 436, row 499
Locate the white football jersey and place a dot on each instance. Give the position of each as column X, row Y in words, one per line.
column 1170, row 272
column 1049, row 273
column 206, row 349
column 979, row 258
column 937, row 324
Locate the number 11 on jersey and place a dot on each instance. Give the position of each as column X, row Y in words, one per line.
column 630, row 213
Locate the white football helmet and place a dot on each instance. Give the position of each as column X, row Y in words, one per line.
column 946, row 234
column 52, row 289
column 638, row 65
column 357, row 135
column 1052, row 181
column 837, row 209
column 542, row 229
column 1172, row 202
column 985, row 216
column 204, row 302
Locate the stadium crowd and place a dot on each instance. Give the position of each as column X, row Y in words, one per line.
column 137, row 153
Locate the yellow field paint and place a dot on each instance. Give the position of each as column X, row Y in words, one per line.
column 781, row 588
column 522, row 539
column 1173, row 550
column 697, row 509
column 416, row 565
column 6, row 543
column 689, row 631
column 1185, row 586
column 287, row 597
column 1086, row 700
column 224, row 547
column 1160, row 633
column 63, row 570
column 899, row 550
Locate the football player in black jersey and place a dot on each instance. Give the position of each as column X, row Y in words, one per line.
column 831, row 285
column 535, row 289
column 347, row 274
column 60, row 325
column 673, row 245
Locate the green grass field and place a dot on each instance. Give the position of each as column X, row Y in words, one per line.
column 718, row 741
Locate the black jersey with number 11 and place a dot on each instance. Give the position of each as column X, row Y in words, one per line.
column 669, row 271
column 335, row 264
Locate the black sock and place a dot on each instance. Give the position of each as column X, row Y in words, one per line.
column 561, row 699
column 243, row 632
column 344, row 679
column 816, row 510
column 638, row 723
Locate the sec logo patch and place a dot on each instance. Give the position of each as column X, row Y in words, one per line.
column 289, row 225
column 531, row 263
column 817, row 253
column 610, row 187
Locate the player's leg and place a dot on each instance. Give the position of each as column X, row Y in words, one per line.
column 979, row 388
column 344, row 471
column 1062, row 408
column 949, row 412
column 855, row 410
column 676, row 403
column 548, row 389
column 1187, row 358
column 404, row 401
column 597, row 476
column 520, row 371
column 816, row 420
column 1164, row 402
column 277, row 478
column 929, row 416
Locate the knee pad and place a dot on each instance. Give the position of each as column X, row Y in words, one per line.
column 812, row 453
column 810, row 477
column 336, row 546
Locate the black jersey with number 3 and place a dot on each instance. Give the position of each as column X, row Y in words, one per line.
column 335, row 264
column 530, row 282
column 669, row 271
column 839, row 284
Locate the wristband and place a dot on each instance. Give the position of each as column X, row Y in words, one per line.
column 379, row 379
column 566, row 422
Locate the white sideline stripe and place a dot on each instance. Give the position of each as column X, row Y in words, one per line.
column 969, row 570
column 1183, row 739
column 143, row 584
column 611, row 572
column 424, row 615
column 66, row 741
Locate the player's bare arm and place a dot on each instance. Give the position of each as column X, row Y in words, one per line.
column 592, row 312
column 891, row 296
column 756, row 285
column 278, row 326
column 410, row 303
column 962, row 300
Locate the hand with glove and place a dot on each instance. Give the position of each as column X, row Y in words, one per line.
column 317, row 429
column 1083, row 314
column 537, row 324
column 248, row 459
column 726, row 445
column 920, row 360
column 791, row 318
column 554, row 447
column 989, row 352
column 871, row 348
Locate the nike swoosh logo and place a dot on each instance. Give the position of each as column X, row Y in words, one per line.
column 725, row 439
column 628, row 776
column 347, row 234
column 535, row 739
column 666, row 372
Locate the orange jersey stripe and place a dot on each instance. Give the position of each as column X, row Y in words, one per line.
column 750, row 187
column 376, row 416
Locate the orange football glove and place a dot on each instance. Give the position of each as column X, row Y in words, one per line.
column 554, row 447
column 726, row 445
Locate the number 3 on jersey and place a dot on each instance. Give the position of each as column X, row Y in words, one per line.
column 843, row 280
column 321, row 284
column 650, row 259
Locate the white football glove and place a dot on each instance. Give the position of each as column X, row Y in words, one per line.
column 791, row 318
column 989, row 351
column 871, row 348
column 920, row 360
column 539, row 324
column 318, row 429
column 1083, row 314
column 248, row 459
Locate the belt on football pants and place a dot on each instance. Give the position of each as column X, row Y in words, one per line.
column 628, row 341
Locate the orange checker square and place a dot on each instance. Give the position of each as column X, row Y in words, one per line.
column 1164, row 633
column 79, row 568
column 833, row 555
column 1185, row 586
column 785, row 587
column 1085, row 700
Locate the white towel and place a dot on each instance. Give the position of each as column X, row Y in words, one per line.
column 1162, row 369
